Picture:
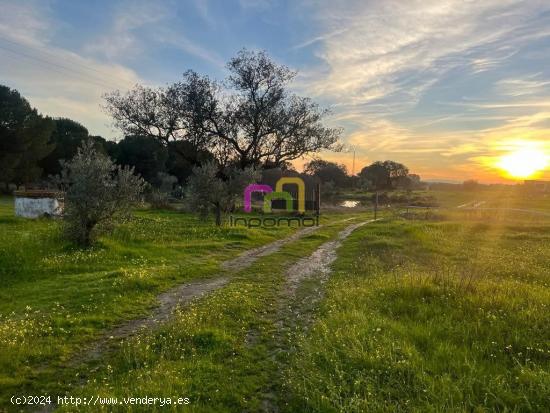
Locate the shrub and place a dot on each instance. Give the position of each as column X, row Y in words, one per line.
column 211, row 189
column 99, row 194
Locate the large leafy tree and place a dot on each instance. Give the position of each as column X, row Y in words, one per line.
column 182, row 166
column 145, row 154
column 328, row 171
column 383, row 175
column 67, row 136
column 250, row 119
column 24, row 138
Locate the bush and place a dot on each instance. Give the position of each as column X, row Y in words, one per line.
column 99, row 194
column 158, row 199
column 213, row 189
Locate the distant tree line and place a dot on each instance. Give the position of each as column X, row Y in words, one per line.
column 249, row 120
column 388, row 175
column 211, row 137
column 32, row 147
column 379, row 176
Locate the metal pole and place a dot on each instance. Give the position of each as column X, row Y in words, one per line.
column 318, row 198
column 353, row 167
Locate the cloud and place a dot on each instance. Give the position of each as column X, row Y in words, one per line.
column 141, row 26
column 386, row 42
column 530, row 85
column 317, row 39
column 125, row 37
column 24, row 21
column 180, row 41
column 436, row 84
column 64, row 83
column 59, row 82
column 377, row 61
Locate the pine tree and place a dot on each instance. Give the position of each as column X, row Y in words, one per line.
column 24, row 138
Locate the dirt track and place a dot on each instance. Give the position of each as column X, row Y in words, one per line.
column 291, row 314
column 318, row 262
column 247, row 258
column 181, row 295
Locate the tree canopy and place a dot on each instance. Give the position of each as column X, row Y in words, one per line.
column 67, row 136
column 146, row 155
column 24, row 138
column 98, row 193
column 383, row 175
column 250, row 119
column 328, row 171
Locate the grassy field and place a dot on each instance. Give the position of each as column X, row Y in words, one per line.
column 55, row 297
column 447, row 314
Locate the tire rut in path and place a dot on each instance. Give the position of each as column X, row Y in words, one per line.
column 286, row 317
column 182, row 295
column 317, row 263
column 247, row 258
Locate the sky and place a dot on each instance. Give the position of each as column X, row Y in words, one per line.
column 447, row 87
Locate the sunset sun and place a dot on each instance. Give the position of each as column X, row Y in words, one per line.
column 523, row 163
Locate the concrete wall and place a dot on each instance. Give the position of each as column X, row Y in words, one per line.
column 37, row 207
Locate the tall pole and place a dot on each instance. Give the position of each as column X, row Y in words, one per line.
column 353, row 164
column 353, row 170
column 318, row 199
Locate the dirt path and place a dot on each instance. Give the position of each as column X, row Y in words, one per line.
column 247, row 258
column 295, row 313
column 182, row 295
column 317, row 263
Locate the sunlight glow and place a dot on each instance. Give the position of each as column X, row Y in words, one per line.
column 523, row 163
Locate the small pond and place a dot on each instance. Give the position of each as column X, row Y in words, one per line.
column 350, row 203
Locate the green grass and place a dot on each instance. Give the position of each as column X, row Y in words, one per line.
column 206, row 353
column 55, row 297
column 441, row 317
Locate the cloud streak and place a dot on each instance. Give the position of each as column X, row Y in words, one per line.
column 436, row 84
column 380, row 61
column 57, row 81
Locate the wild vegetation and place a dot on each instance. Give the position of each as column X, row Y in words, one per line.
column 440, row 303
column 449, row 316
column 55, row 297
column 98, row 194
column 444, row 315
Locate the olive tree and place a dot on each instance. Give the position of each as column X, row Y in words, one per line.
column 98, row 193
column 211, row 190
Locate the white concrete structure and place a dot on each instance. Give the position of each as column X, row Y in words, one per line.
column 38, row 203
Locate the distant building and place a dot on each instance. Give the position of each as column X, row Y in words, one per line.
column 38, row 203
column 537, row 186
